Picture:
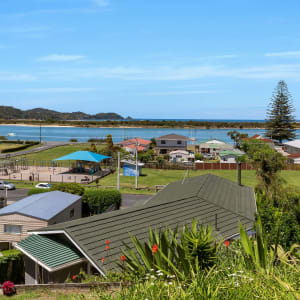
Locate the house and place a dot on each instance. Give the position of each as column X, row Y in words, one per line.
column 132, row 144
column 259, row 137
column 294, row 158
column 37, row 211
column 170, row 142
column 292, row 147
column 229, row 156
column 213, row 147
column 63, row 249
column 181, row 156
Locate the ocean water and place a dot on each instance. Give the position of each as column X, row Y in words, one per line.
column 118, row 134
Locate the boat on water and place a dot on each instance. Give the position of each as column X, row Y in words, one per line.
column 11, row 134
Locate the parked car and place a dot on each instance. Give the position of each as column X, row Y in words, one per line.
column 6, row 185
column 43, row 185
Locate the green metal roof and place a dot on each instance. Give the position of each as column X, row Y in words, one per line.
column 50, row 250
column 204, row 198
column 229, row 152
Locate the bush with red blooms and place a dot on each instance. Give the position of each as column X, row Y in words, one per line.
column 8, row 288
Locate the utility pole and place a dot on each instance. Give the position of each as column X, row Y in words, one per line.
column 118, row 177
column 40, row 133
column 136, row 163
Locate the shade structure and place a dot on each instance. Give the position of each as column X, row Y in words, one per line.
column 84, row 156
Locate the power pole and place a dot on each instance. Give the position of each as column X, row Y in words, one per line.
column 118, row 182
column 40, row 133
column 136, row 163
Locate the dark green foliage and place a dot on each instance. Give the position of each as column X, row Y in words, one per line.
column 105, row 151
column 12, row 266
column 280, row 123
column 72, row 188
column 199, row 156
column 37, row 191
column 146, row 156
column 99, row 200
column 73, row 140
column 3, row 138
column 237, row 137
column 23, row 146
column 94, row 140
column 183, row 254
column 93, row 148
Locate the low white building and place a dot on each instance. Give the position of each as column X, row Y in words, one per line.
column 181, row 156
column 292, row 147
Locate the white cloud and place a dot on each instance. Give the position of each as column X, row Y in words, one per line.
column 292, row 54
column 101, row 3
column 12, row 76
column 174, row 93
column 60, row 58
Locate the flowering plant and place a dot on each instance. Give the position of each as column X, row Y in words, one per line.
column 8, row 288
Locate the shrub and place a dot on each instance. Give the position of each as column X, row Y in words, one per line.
column 37, row 191
column 72, row 188
column 73, row 140
column 98, row 200
column 8, row 288
column 12, row 266
column 3, row 138
column 182, row 255
column 199, row 156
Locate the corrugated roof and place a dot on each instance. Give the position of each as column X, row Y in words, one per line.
column 43, row 206
column 172, row 136
column 205, row 198
column 51, row 250
column 294, row 143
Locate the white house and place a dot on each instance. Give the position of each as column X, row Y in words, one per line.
column 181, row 156
column 292, row 147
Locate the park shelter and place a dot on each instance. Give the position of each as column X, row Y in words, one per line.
column 210, row 199
column 84, row 159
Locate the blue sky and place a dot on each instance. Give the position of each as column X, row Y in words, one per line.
column 149, row 59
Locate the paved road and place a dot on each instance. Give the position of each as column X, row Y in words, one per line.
column 44, row 146
column 128, row 200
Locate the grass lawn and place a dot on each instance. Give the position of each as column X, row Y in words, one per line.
column 154, row 177
column 54, row 153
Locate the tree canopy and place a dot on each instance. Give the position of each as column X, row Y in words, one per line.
column 280, row 122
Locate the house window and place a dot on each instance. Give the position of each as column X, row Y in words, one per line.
column 163, row 142
column 72, row 212
column 14, row 229
column 179, row 142
column 163, row 151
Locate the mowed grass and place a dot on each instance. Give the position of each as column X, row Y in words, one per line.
column 154, row 177
column 56, row 152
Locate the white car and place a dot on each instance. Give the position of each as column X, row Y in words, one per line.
column 6, row 185
column 43, row 185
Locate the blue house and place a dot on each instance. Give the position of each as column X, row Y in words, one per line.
column 129, row 168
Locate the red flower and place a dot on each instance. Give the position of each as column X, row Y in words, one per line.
column 226, row 243
column 102, row 259
column 154, row 248
column 123, row 258
column 107, row 242
column 74, row 277
column 107, row 247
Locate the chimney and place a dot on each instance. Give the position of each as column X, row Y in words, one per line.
column 239, row 173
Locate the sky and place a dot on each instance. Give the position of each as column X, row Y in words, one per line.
column 167, row 59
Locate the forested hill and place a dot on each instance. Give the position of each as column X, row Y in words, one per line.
column 9, row 112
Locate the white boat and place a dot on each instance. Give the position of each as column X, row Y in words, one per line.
column 11, row 134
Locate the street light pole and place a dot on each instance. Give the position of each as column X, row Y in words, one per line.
column 40, row 133
column 118, row 182
column 136, row 163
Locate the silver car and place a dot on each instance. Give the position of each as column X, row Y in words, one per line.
column 6, row 185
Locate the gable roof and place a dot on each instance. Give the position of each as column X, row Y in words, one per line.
column 207, row 198
column 84, row 156
column 51, row 251
column 172, row 136
column 294, row 143
column 133, row 141
column 42, row 206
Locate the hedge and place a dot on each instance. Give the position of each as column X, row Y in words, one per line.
column 97, row 201
column 12, row 266
column 36, row 191
column 18, row 148
column 72, row 188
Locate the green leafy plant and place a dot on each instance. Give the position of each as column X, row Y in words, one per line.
column 72, row 188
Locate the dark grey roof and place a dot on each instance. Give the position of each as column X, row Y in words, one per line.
column 43, row 206
column 205, row 198
column 172, row 136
